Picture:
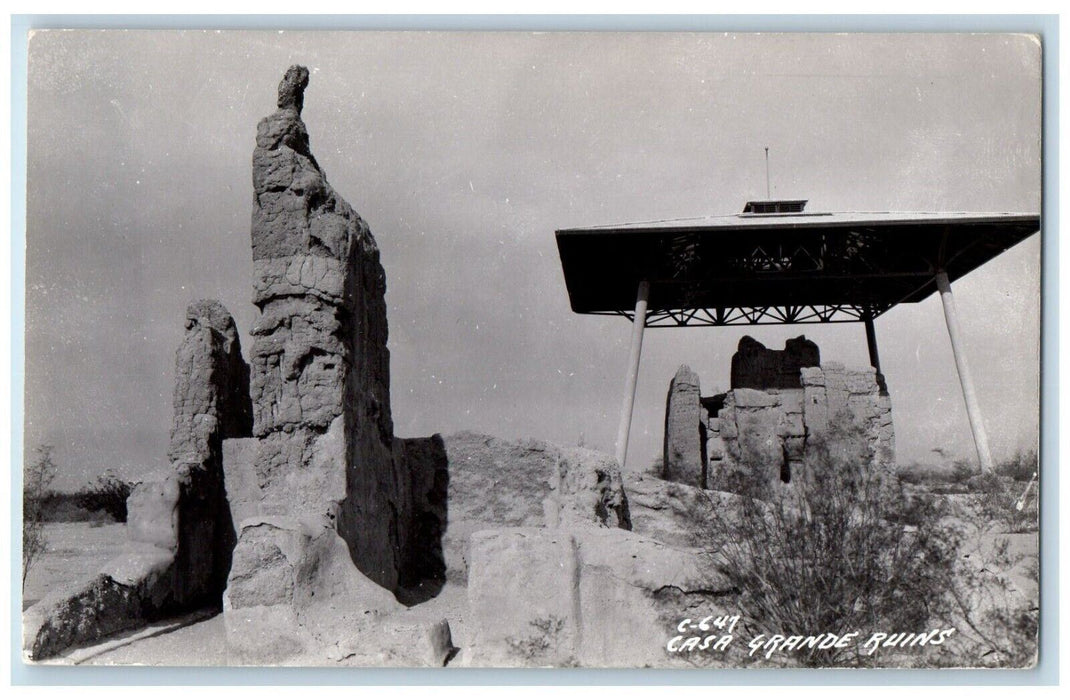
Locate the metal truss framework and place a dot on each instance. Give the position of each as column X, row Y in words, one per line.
column 755, row 316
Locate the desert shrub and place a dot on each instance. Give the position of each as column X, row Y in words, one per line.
column 107, row 494
column 993, row 592
column 914, row 473
column 36, row 484
column 844, row 547
column 961, row 471
column 997, row 625
column 941, row 478
column 938, row 478
column 831, row 552
column 917, row 508
column 542, row 641
column 64, row 508
column 995, row 502
column 954, row 479
column 1021, row 466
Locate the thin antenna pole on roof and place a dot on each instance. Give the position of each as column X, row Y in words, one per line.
column 767, row 193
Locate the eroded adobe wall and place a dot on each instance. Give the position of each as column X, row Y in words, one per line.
column 755, row 366
column 320, row 364
column 782, row 404
column 684, row 452
column 772, row 433
column 180, row 532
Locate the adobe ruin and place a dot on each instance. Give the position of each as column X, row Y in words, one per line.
column 779, row 404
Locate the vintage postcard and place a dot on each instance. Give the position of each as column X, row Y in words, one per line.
column 532, row 349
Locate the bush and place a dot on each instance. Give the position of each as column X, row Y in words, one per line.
column 994, row 592
column 107, row 494
column 997, row 626
column 962, row 471
column 1021, row 466
column 914, row 474
column 543, row 641
column 36, row 484
column 831, row 553
column 996, row 500
column 842, row 548
column 937, row 478
column 65, row 508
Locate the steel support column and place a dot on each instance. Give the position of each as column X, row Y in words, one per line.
column 973, row 411
column 638, row 325
column 871, row 343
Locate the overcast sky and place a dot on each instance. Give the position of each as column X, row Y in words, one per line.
column 464, row 152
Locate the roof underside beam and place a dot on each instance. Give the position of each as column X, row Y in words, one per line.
column 755, row 315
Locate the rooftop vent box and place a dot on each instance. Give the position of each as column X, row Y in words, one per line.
column 775, row 206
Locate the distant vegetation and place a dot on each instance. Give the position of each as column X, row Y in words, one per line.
column 101, row 500
column 107, row 495
column 956, row 476
column 68, row 508
column 1021, row 467
column 36, row 484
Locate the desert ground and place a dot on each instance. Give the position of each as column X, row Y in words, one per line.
column 74, row 553
column 76, row 550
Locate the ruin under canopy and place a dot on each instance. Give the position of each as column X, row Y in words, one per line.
column 783, row 408
column 776, row 263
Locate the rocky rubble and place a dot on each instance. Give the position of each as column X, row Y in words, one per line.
column 569, row 563
column 584, row 597
column 295, row 598
column 500, row 483
column 676, row 514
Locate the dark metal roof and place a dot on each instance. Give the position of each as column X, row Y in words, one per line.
column 868, row 262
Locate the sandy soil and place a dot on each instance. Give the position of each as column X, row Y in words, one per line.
column 201, row 643
column 74, row 552
column 77, row 550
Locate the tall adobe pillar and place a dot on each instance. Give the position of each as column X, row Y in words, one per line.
column 320, row 366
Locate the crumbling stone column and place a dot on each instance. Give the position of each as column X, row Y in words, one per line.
column 211, row 404
column 328, row 536
column 320, row 365
column 684, row 458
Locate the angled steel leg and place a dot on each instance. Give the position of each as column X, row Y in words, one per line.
column 638, row 325
column 973, row 411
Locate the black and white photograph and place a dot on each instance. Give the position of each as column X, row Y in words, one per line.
column 532, row 349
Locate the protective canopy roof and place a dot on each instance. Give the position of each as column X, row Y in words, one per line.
column 779, row 268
